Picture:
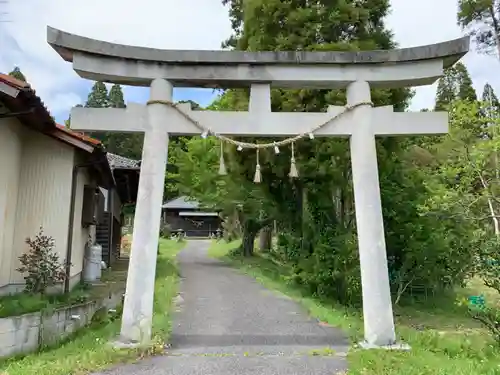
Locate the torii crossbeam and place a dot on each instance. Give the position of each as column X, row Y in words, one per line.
column 164, row 69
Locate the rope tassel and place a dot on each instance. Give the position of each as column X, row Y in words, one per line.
column 222, row 165
column 258, row 178
column 294, row 173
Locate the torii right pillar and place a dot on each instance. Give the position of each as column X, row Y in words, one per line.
column 377, row 304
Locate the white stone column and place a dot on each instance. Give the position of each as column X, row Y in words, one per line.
column 377, row 304
column 138, row 304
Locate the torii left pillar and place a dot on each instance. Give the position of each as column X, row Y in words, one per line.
column 138, row 305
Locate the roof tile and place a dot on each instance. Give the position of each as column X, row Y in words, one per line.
column 21, row 85
column 14, row 82
column 78, row 135
column 117, row 161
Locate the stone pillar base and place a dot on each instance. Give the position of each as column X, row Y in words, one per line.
column 122, row 343
column 397, row 346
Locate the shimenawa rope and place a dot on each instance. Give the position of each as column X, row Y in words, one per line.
column 205, row 132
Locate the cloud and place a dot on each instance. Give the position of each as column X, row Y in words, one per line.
column 62, row 101
column 429, row 21
column 186, row 24
column 176, row 24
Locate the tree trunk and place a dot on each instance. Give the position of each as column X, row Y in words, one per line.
column 248, row 241
column 250, row 228
column 265, row 238
column 496, row 30
column 231, row 227
column 493, row 214
column 494, row 218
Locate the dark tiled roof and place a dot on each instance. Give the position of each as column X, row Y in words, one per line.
column 121, row 162
column 182, row 203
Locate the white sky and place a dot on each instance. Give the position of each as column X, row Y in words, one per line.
column 183, row 24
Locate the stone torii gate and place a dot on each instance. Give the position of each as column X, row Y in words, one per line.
column 161, row 70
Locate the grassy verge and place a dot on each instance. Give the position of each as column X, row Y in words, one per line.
column 90, row 350
column 443, row 338
column 22, row 303
column 112, row 280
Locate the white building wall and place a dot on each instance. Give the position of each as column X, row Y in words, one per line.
column 80, row 234
column 35, row 190
column 10, row 164
column 105, row 195
column 116, row 203
column 44, row 195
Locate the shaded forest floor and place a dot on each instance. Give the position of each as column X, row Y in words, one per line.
column 443, row 337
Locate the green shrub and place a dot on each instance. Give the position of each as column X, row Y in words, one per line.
column 165, row 230
column 41, row 264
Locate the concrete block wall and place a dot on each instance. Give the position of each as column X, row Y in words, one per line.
column 19, row 334
column 27, row 333
column 63, row 322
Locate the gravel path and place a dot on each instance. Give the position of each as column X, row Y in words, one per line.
column 228, row 324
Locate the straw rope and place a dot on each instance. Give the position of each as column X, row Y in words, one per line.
column 205, row 132
column 248, row 145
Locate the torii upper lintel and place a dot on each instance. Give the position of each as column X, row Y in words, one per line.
column 138, row 66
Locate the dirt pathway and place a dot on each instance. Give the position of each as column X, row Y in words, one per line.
column 228, row 324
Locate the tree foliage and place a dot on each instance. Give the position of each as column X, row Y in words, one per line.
column 124, row 144
column 482, row 19
column 16, row 73
column 467, row 173
column 41, row 265
column 98, row 96
column 298, row 25
column 130, row 144
column 491, row 99
column 456, row 84
column 315, row 213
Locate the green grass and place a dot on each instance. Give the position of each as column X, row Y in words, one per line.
column 89, row 350
column 444, row 339
column 112, row 280
column 22, row 303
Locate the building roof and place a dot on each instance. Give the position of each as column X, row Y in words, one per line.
column 198, row 213
column 79, row 135
column 182, row 203
column 21, row 100
column 121, row 162
column 126, row 173
column 39, row 109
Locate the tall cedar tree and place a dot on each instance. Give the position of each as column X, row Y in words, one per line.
column 124, row 144
column 115, row 97
column 301, row 25
column 98, row 96
column 489, row 96
column 456, row 84
column 491, row 104
column 128, row 145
